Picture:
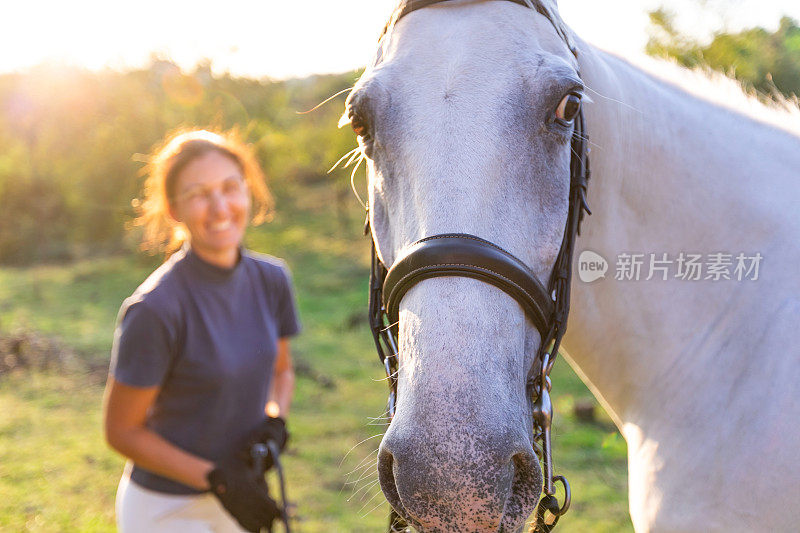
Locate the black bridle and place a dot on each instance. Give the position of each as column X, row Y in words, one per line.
column 458, row 254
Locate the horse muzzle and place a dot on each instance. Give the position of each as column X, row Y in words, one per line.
column 460, row 482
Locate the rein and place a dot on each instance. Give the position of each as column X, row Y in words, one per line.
column 458, row 254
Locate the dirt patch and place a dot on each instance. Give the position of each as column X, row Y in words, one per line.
column 304, row 369
column 27, row 350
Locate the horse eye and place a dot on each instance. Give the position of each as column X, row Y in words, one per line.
column 358, row 124
column 568, row 109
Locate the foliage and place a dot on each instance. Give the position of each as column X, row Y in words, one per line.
column 67, row 175
column 763, row 60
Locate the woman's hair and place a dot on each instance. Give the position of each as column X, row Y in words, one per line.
column 161, row 232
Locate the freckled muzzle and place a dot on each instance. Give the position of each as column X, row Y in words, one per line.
column 454, row 484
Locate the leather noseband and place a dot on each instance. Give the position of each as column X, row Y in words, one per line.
column 460, row 254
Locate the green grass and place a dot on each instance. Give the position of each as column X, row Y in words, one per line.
column 56, row 473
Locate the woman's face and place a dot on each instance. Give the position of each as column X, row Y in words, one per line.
column 213, row 202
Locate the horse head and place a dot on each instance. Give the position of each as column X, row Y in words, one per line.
column 465, row 117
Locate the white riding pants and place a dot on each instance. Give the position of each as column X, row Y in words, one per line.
column 141, row 510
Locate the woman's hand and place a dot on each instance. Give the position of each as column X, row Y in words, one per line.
column 271, row 429
column 274, row 429
column 243, row 493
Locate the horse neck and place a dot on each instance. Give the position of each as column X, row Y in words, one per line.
column 673, row 173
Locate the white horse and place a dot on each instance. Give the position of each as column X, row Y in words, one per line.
column 456, row 115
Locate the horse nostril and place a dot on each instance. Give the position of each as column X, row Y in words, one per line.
column 527, row 471
column 386, row 479
column 526, row 486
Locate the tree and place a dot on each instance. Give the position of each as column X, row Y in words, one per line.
column 74, row 141
column 767, row 62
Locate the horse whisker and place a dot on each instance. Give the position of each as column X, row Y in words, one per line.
column 328, row 99
column 366, row 473
column 592, row 143
column 362, row 467
column 368, row 476
column 367, row 486
column 348, row 154
column 392, row 375
column 387, row 328
column 360, row 462
column 353, row 183
column 612, row 99
column 360, row 443
column 363, row 496
column 353, row 157
column 362, row 507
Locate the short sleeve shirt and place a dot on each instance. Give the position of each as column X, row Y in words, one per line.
column 207, row 336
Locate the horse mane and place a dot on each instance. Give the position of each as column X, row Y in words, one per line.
column 721, row 89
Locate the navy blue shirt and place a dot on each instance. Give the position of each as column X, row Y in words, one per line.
column 207, row 336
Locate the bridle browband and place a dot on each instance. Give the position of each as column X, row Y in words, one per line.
column 464, row 255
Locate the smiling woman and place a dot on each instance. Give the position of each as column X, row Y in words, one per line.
column 171, row 207
column 200, row 367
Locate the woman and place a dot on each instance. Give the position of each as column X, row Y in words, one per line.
column 200, row 366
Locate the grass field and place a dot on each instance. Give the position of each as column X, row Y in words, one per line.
column 56, row 473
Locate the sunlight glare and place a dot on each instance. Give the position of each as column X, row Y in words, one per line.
column 288, row 39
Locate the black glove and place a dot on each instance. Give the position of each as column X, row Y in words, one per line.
column 272, row 428
column 243, row 494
